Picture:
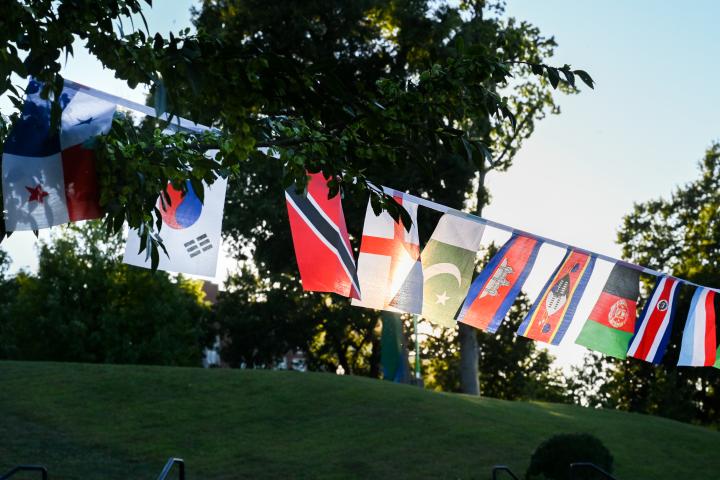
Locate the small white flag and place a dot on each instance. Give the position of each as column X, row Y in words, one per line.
column 191, row 232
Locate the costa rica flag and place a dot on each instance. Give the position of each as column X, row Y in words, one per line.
column 652, row 332
column 49, row 176
column 321, row 241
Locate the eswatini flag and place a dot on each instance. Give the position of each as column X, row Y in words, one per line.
column 48, row 176
column 553, row 311
column 699, row 343
column 612, row 321
column 653, row 331
column 493, row 292
column 320, row 237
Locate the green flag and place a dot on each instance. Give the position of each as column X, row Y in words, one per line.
column 393, row 351
column 448, row 262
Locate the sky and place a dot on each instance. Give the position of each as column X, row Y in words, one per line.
column 636, row 136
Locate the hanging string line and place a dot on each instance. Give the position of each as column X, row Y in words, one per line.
column 178, row 123
column 445, row 209
column 188, row 125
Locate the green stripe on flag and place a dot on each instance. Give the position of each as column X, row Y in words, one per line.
column 601, row 338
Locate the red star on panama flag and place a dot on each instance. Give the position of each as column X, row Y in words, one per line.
column 37, row 193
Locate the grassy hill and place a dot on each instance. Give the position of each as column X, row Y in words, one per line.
column 122, row 422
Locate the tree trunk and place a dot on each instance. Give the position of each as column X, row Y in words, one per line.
column 468, row 360
column 467, row 335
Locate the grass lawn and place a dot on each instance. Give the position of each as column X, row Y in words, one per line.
column 123, row 422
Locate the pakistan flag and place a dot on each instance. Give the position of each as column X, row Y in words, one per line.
column 448, row 262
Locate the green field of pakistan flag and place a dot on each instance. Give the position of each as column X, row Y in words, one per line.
column 448, row 261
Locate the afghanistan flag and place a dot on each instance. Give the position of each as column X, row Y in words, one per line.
column 653, row 330
column 448, row 262
column 389, row 255
column 612, row 321
column 493, row 292
column 320, row 237
column 553, row 311
column 699, row 343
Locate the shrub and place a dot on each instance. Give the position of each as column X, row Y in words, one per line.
column 552, row 459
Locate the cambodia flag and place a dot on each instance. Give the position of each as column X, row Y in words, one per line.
column 612, row 321
column 493, row 292
column 653, row 330
column 553, row 311
column 48, row 177
column 700, row 342
column 320, row 237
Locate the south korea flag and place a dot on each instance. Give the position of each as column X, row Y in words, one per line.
column 191, row 232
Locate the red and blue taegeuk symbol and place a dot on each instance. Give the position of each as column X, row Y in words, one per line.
column 184, row 209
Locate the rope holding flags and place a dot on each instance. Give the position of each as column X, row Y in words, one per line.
column 611, row 328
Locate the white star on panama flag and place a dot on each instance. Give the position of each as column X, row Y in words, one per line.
column 442, row 298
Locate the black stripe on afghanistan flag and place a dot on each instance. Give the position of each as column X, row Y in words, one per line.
column 623, row 282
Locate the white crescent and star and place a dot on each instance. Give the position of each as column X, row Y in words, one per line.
column 442, row 268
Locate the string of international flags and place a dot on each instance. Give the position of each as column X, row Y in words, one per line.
column 48, row 178
column 393, row 274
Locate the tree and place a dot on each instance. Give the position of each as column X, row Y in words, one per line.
column 679, row 235
column 84, row 305
column 399, row 43
column 407, row 90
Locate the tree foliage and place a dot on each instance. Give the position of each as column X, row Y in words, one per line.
column 417, row 94
column 327, row 85
column 84, row 305
column 397, row 89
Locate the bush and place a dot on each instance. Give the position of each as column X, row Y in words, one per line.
column 552, row 459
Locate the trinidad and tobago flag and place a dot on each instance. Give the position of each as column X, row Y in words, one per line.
column 493, row 292
column 320, row 237
column 553, row 311
column 653, row 331
column 700, row 340
column 611, row 323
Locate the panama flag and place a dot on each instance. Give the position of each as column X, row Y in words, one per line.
column 553, row 311
column 388, row 255
column 699, row 343
column 48, row 177
column 190, row 231
column 448, row 262
column 612, row 321
column 653, row 330
column 320, row 237
column 493, row 292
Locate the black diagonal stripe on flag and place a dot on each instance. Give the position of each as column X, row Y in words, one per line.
column 326, row 230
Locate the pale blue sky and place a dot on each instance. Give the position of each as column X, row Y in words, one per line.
column 636, row 136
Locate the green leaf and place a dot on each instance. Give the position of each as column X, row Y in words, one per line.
column 154, row 257
column 585, row 77
column 553, row 76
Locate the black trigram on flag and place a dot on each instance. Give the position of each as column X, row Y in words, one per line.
column 199, row 245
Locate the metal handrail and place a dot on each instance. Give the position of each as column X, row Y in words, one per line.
column 502, row 468
column 26, row 468
column 168, row 466
column 586, row 465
